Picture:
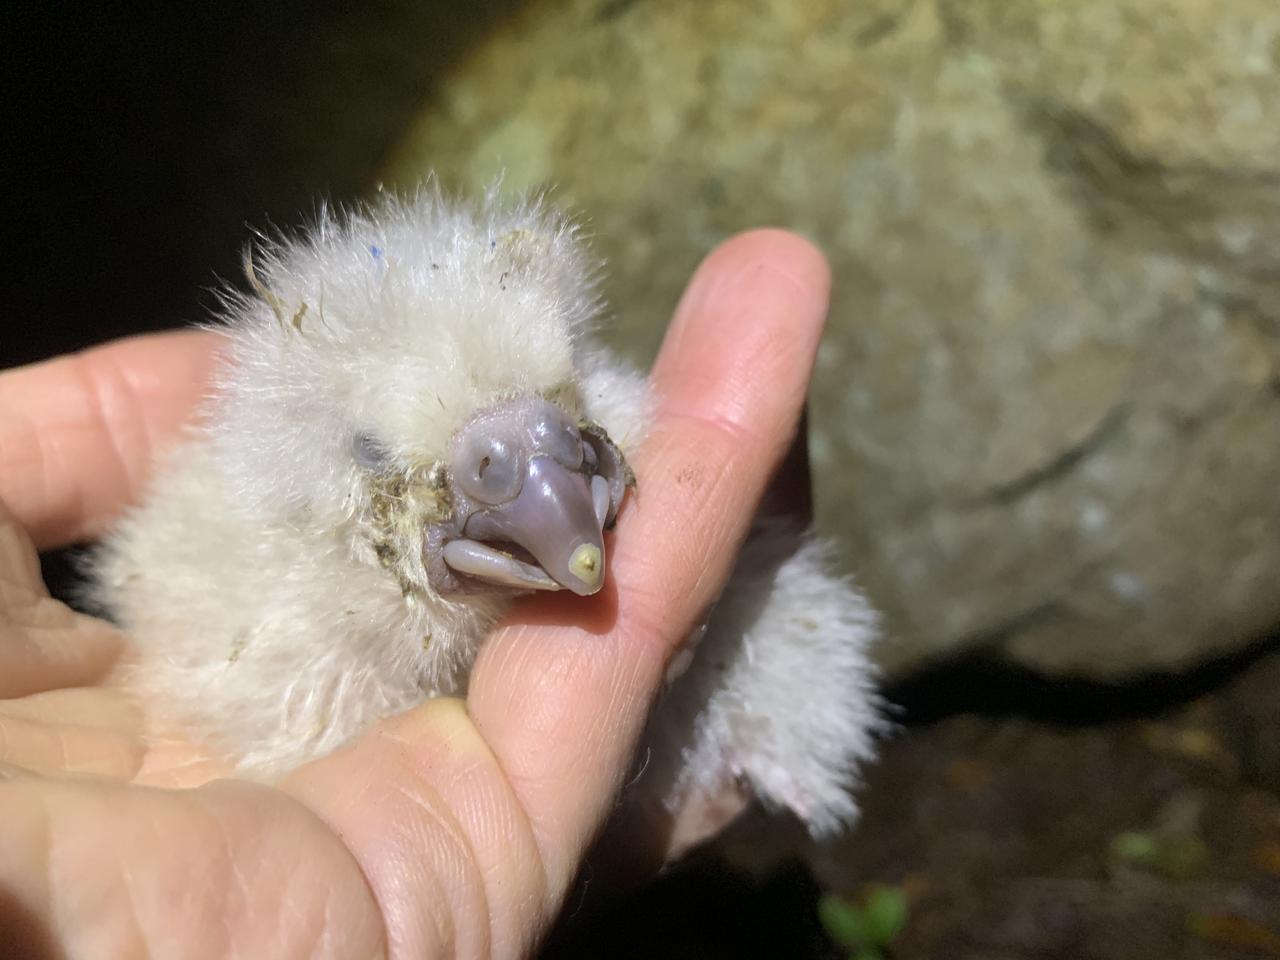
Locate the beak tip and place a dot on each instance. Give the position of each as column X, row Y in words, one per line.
column 587, row 565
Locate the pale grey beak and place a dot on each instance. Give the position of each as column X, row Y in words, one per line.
column 555, row 518
column 532, row 494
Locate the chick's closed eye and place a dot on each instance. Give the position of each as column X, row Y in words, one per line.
column 369, row 454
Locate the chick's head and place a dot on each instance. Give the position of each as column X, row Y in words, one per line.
column 403, row 384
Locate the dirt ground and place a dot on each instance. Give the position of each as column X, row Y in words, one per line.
column 1022, row 820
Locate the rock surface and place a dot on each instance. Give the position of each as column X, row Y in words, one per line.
column 1047, row 415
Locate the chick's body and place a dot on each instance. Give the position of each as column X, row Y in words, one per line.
column 334, row 540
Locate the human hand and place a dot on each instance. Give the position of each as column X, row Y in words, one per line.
column 455, row 829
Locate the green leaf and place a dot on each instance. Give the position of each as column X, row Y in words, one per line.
column 843, row 922
column 1134, row 847
column 1178, row 856
column 885, row 915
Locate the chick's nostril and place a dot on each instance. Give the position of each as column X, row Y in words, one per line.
column 488, row 467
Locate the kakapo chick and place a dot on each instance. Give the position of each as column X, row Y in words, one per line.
column 413, row 425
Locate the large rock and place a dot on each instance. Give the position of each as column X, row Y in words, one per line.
column 1047, row 415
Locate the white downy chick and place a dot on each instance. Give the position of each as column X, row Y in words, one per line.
column 412, row 426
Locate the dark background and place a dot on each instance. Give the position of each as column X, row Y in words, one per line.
column 141, row 145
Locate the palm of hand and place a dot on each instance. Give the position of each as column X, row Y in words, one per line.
column 59, row 713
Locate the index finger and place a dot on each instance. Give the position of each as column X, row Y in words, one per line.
column 562, row 708
column 79, row 433
column 498, row 801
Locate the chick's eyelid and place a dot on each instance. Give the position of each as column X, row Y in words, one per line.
column 369, row 453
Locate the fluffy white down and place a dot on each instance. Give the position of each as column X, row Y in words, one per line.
column 780, row 694
column 268, row 624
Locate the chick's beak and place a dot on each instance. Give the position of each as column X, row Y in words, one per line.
column 558, row 518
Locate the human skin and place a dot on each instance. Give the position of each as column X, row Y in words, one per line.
column 453, row 830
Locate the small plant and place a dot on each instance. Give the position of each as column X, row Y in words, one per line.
column 865, row 930
column 1179, row 856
